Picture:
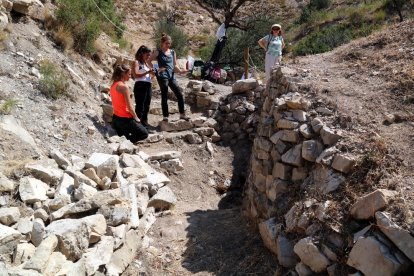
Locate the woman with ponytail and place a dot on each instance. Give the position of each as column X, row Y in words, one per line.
column 141, row 72
column 124, row 120
column 167, row 65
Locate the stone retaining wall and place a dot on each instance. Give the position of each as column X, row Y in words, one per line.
column 298, row 171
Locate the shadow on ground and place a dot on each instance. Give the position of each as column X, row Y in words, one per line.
column 221, row 242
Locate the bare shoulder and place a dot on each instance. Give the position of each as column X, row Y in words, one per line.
column 121, row 87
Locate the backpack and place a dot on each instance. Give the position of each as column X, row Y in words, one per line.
column 197, row 68
column 215, row 74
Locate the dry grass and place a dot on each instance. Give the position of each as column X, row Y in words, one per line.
column 15, row 168
column 7, row 106
column 64, row 38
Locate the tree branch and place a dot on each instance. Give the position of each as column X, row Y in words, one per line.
column 211, row 11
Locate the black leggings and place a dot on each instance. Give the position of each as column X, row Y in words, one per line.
column 142, row 93
column 129, row 128
column 172, row 83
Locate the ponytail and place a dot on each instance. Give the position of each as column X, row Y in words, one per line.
column 119, row 71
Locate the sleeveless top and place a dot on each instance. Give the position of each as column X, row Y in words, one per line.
column 142, row 68
column 275, row 45
column 166, row 61
column 119, row 103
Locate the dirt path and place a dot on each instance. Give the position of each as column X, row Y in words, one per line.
column 205, row 234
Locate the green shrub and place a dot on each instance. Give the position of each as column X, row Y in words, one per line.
column 86, row 22
column 179, row 38
column 7, row 106
column 313, row 6
column 323, row 41
column 206, row 51
column 239, row 40
column 54, row 82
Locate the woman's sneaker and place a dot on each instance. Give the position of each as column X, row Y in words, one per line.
column 184, row 117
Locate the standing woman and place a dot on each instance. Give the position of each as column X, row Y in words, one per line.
column 273, row 44
column 125, row 121
column 167, row 64
column 142, row 88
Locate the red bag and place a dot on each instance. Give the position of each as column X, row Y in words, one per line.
column 216, row 74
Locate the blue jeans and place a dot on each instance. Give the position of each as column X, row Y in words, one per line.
column 172, row 83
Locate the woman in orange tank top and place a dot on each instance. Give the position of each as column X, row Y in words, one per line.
column 124, row 120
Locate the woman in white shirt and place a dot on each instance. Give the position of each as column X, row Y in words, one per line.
column 142, row 88
column 273, row 44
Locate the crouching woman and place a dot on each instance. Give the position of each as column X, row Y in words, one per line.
column 125, row 120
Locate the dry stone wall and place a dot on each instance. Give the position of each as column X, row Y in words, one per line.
column 298, row 172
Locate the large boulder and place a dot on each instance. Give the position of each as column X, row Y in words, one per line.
column 164, row 199
column 9, row 216
column 46, row 170
column 23, row 6
column 179, row 125
column 325, row 179
column 293, row 156
column 6, row 185
column 366, row 206
column 59, row 158
column 32, row 190
column 73, row 236
column 310, row 255
column 122, row 257
column 242, row 86
column 39, row 260
column 311, row 149
column 400, row 237
column 372, row 257
column 98, row 255
column 284, row 251
column 269, row 231
column 9, row 238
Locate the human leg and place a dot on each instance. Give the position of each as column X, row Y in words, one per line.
column 269, row 63
column 147, row 102
column 163, row 83
column 129, row 128
column 140, row 97
column 178, row 94
column 136, row 131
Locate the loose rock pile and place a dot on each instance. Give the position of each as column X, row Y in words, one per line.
column 82, row 217
column 199, row 95
column 237, row 114
column 297, row 172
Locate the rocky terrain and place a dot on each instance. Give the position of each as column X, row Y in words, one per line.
column 310, row 173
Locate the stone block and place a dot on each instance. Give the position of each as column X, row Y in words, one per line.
column 311, row 150
column 343, row 163
column 310, row 255
column 282, row 171
column 366, row 206
column 293, row 156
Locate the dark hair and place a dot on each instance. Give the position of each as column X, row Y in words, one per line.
column 141, row 51
column 119, row 71
column 165, row 37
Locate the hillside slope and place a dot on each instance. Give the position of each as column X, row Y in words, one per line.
column 370, row 83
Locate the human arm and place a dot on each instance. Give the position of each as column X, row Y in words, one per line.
column 138, row 73
column 283, row 43
column 262, row 42
column 177, row 68
column 124, row 90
